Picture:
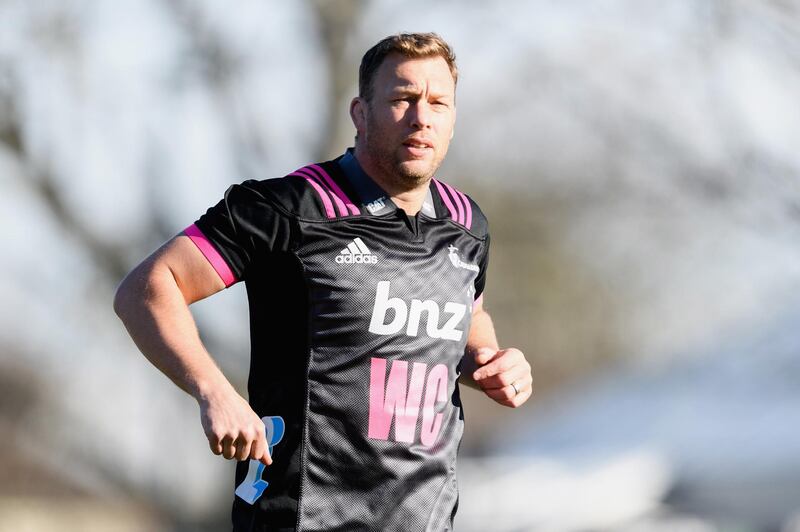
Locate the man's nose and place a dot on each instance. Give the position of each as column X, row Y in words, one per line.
column 421, row 115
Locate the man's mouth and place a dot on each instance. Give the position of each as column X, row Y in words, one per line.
column 417, row 146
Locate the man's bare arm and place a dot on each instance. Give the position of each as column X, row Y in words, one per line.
column 481, row 334
column 153, row 302
column 502, row 374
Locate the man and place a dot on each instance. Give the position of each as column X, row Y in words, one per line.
column 364, row 277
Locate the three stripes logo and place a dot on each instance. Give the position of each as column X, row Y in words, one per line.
column 356, row 252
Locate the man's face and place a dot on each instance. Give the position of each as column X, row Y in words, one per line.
column 407, row 125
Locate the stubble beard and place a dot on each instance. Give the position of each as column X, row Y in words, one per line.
column 401, row 175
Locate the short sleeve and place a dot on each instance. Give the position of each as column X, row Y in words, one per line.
column 242, row 227
column 480, row 280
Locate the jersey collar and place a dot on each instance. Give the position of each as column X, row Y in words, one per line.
column 373, row 198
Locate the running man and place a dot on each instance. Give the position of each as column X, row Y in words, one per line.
column 365, row 280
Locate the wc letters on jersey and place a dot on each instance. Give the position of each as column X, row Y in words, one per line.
column 395, row 397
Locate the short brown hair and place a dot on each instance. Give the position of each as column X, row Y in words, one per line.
column 410, row 45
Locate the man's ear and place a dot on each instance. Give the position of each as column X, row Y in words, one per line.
column 358, row 113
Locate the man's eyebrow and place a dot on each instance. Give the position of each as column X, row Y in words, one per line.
column 413, row 91
column 406, row 89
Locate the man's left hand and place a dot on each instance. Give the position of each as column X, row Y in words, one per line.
column 504, row 375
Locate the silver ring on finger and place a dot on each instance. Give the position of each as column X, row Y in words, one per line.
column 514, row 385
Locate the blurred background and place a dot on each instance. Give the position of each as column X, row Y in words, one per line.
column 638, row 162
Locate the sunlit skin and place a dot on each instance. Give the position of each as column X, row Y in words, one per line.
column 404, row 130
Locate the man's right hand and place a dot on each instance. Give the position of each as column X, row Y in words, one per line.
column 233, row 429
column 153, row 303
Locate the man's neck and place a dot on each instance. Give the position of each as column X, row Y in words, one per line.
column 409, row 200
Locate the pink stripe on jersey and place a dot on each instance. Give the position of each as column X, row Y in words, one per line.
column 457, row 202
column 339, row 203
column 446, row 199
column 210, row 252
column 326, row 201
column 467, row 206
column 336, row 190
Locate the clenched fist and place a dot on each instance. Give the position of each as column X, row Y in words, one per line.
column 504, row 375
column 233, row 429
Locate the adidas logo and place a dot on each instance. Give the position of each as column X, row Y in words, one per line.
column 356, row 252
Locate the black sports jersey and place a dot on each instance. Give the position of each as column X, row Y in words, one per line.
column 359, row 316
